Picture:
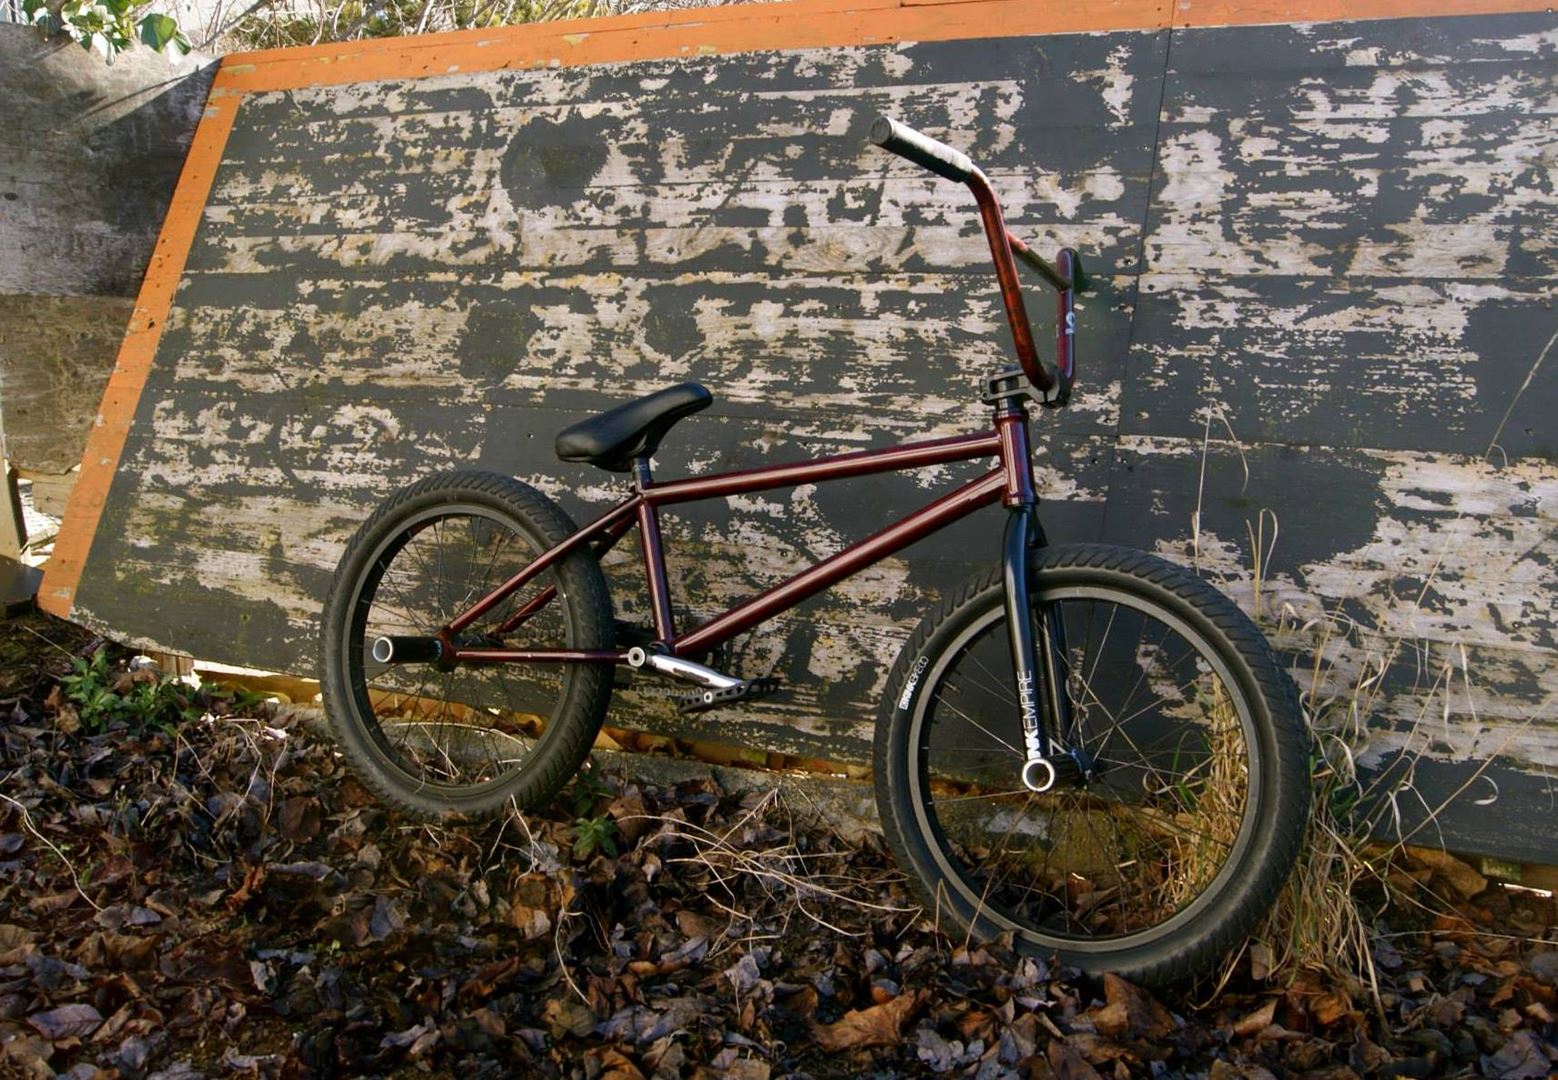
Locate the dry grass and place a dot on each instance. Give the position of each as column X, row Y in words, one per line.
column 1357, row 834
column 752, row 853
column 1319, row 924
column 1198, row 854
column 265, row 24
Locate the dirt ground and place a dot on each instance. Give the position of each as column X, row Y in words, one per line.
column 190, row 885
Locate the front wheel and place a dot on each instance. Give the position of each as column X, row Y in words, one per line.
column 1171, row 842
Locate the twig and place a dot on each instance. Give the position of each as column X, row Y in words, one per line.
column 233, row 22
column 30, row 827
column 563, row 915
column 46, row 641
column 725, row 863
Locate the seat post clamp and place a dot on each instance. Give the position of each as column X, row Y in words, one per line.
column 643, row 475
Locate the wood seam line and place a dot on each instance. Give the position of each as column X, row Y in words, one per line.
column 105, row 442
column 797, row 24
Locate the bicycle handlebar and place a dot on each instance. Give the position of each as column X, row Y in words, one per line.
column 923, row 150
column 1054, row 386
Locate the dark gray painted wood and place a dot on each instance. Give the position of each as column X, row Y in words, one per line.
column 1348, row 280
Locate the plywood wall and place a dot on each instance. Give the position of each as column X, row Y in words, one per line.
column 1324, row 265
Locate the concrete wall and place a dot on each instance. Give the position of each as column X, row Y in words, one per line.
column 89, row 154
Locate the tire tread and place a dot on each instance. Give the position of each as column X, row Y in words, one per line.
column 1167, row 961
column 557, row 758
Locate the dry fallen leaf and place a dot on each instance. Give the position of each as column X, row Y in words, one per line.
column 1461, row 877
column 1329, row 1008
column 65, row 1021
column 1067, row 1064
column 880, row 1025
column 300, row 819
column 1131, row 1012
column 1261, row 961
column 616, row 1065
column 565, row 1016
column 1258, row 1020
column 1521, row 1058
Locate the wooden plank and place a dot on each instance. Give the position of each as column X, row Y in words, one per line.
column 1415, row 364
column 748, row 182
column 801, row 24
column 476, row 351
column 1352, row 238
column 1428, row 583
column 101, row 457
column 804, row 24
column 1207, row 13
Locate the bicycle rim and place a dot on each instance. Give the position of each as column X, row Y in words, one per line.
column 1126, row 857
column 461, row 732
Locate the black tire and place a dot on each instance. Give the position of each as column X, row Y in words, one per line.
column 475, row 740
column 1169, row 856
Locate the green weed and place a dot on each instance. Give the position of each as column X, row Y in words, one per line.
column 594, row 834
column 104, row 696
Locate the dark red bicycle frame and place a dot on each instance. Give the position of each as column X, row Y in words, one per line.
column 1011, row 483
column 642, row 509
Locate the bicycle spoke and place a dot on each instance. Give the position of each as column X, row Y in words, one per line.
column 1125, row 850
column 1018, row 753
column 473, row 724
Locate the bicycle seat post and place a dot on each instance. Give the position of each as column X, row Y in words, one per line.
column 654, row 553
column 643, row 474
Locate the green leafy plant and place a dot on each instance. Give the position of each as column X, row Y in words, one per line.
column 103, row 696
column 587, row 790
column 109, row 26
column 594, row 834
column 88, row 687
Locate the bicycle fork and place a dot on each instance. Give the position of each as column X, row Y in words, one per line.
column 1039, row 666
column 1038, row 662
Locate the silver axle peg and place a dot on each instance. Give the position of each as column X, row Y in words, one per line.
column 1038, row 775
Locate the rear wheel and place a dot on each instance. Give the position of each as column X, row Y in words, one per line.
column 1190, row 820
column 470, row 740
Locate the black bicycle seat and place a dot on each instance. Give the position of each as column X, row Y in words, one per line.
column 614, row 438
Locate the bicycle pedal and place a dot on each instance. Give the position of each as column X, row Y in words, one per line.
column 703, row 700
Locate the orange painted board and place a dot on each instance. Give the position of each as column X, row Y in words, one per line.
column 688, row 18
column 798, row 24
column 1201, row 13
column 105, row 443
column 802, row 24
